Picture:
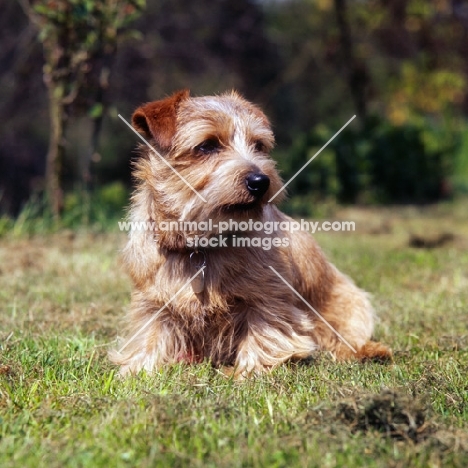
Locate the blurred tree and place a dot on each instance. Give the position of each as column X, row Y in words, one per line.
column 355, row 71
column 79, row 39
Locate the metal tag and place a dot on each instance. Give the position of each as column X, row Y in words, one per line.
column 198, row 283
column 198, row 264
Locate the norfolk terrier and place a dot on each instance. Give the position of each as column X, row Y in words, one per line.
column 200, row 295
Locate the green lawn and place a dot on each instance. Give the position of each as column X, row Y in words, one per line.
column 62, row 296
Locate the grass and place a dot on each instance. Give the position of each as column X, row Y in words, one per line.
column 61, row 404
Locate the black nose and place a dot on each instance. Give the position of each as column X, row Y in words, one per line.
column 257, row 184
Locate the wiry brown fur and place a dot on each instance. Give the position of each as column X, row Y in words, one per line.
column 246, row 317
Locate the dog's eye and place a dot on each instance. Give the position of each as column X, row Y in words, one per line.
column 260, row 147
column 209, row 146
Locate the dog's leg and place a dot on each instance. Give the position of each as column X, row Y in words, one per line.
column 151, row 341
column 346, row 321
column 271, row 338
column 349, row 324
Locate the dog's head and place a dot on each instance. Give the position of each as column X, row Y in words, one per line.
column 213, row 160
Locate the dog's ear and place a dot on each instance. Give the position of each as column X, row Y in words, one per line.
column 158, row 119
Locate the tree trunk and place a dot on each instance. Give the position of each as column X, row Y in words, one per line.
column 55, row 152
column 356, row 72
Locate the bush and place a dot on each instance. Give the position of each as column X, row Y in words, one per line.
column 97, row 211
column 379, row 163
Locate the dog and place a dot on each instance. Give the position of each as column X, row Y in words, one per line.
column 247, row 308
